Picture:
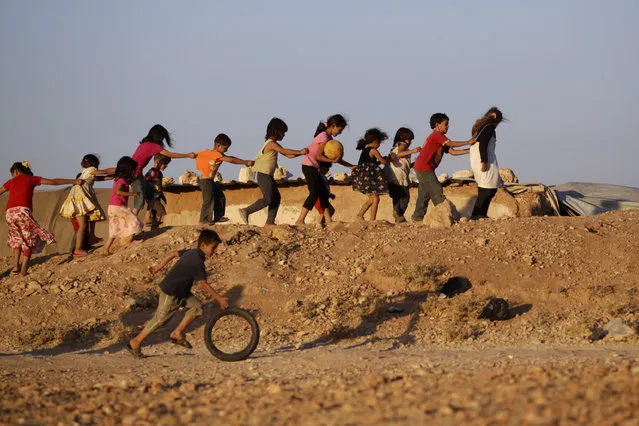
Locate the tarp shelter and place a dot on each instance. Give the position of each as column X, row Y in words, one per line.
column 588, row 199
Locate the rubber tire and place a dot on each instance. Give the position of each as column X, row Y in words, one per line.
column 237, row 356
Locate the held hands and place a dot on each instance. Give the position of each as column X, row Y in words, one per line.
column 78, row 182
column 483, row 167
column 192, row 155
column 472, row 141
column 135, row 193
column 304, row 151
column 352, row 168
column 250, row 163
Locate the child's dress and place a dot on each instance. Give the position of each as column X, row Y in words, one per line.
column 122, row 222
column 82, row 199
column 367, row 176
column 23, row 232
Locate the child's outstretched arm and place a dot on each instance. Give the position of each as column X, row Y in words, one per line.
column 169, row 257
column 223, row 301
column 453, row 144
column 3, row 190
column 177, row 155
column 104, row 177
column 375, row 154
column 58, row 181
column 120, row 193
column 408, row 153
column 235, row 160
column 290, row 153
column 456, row 152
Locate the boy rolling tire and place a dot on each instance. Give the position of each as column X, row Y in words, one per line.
column 234, row 341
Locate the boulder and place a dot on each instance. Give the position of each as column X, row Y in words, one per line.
column 508, row 176
column 246, row 175
column 281, row 174
column 218, row 177
column 340, row 177
column 443, row 178
column 463, row 174
column 189, row 178
column 442, row 215
column 167, row 181
column 618, row 330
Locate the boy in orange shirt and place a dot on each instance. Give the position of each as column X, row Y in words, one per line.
column 208, row 162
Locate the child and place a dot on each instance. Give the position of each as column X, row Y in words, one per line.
column 208, row 162
column 484, row 162
column 368, row 177
column 153, row 187
column 82, row 204
column 151, row 144
column 123, row 223
column 265, row 165
column 427, row 161
column 398, row 170
column 175, row 290
column 324, row 169
column 24, row 236
column 325, row 131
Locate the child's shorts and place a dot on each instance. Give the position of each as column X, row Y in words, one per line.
column 168, row 305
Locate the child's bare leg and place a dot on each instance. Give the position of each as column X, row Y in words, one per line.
column 364, row 209
column 25, row 264
column 79, row 236
column 148, row 216
column 328, row 217
column 178, row 333
column 107, row 246
column 16, row 260
column 137, row 341
column 302, row 217
column 374, row 199
column 92, row 231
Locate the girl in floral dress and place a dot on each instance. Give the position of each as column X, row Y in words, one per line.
column 82, row 204
column 367, row 176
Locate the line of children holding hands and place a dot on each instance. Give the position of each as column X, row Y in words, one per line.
column 26, row 237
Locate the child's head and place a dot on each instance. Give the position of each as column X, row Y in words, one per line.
column 333, row 126
column 21, row 168
column 125, row 168
column 90, row 160
column 158, row 134
column 161, row 161
column 492, row 116
column 222, row 143
column 439, row 122
column 208, row 241
column 276, row 129
column 403, row 135
column 372, row 137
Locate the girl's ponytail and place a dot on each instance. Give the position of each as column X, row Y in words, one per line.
column 361, row 144
column 321, row 127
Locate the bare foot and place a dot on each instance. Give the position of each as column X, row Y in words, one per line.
column 135, row 243
column 299, row 223
column 359, row 218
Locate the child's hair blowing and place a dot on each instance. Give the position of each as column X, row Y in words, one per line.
column 438, row 117
column 223, row 140
column 276, row 128
column 208, row 236
column 371, row 135
column 403, row 134
column 334, row 120
column 90, row 160
column 125, row 168
column 22, row 167
column 492, row 116
column 158, row 134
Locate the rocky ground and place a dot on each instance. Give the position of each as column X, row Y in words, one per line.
column 353, row 328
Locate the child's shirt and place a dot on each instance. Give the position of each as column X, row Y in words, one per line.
column 21, row 190
column 310, row 159
column 154, row 176
column 205, row 159
column 365, row 157
column 143, row 154
column 119, row 200
column 265, row 162
column 398, row 170
column 186, row 271
column 434, row 141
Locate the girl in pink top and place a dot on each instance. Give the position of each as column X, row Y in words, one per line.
column 310, row 167
column 123, row 223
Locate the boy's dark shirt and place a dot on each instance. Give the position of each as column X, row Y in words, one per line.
column 484, row 136
column 189, row 269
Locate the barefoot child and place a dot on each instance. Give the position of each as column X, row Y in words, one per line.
column 175, row 290
column 82, row 206
column 153, row 188
column 122, row 222
column 397, row 172
column 427, row 161
column 368, row 177
column 24, row 236
column 208, row 162
column 265, row 165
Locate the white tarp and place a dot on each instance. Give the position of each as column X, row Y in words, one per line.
column 588, row 199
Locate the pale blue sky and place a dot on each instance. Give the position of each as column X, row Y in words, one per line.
column 93, row 76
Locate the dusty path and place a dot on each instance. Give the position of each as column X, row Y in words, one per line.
column 326, row 385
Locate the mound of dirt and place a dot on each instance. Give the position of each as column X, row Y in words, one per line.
column 353, row 283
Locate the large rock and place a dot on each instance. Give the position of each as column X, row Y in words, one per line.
column 442, row 215
column 618, row 330
column 463, row 174
column 340, row 177
column 508, row 176
column 281, row 174
column 246, row 175
column 503, row 205
column 189, row 178
column 218, row 177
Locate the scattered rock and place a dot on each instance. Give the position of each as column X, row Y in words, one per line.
column 618, row 330
column 507, row 175
column 442, row 215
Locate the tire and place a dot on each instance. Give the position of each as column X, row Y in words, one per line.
column 232, row 356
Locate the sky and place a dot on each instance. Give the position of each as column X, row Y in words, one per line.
column 82, row 77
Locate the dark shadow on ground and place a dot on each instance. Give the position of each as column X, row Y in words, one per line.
column 520, row 310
